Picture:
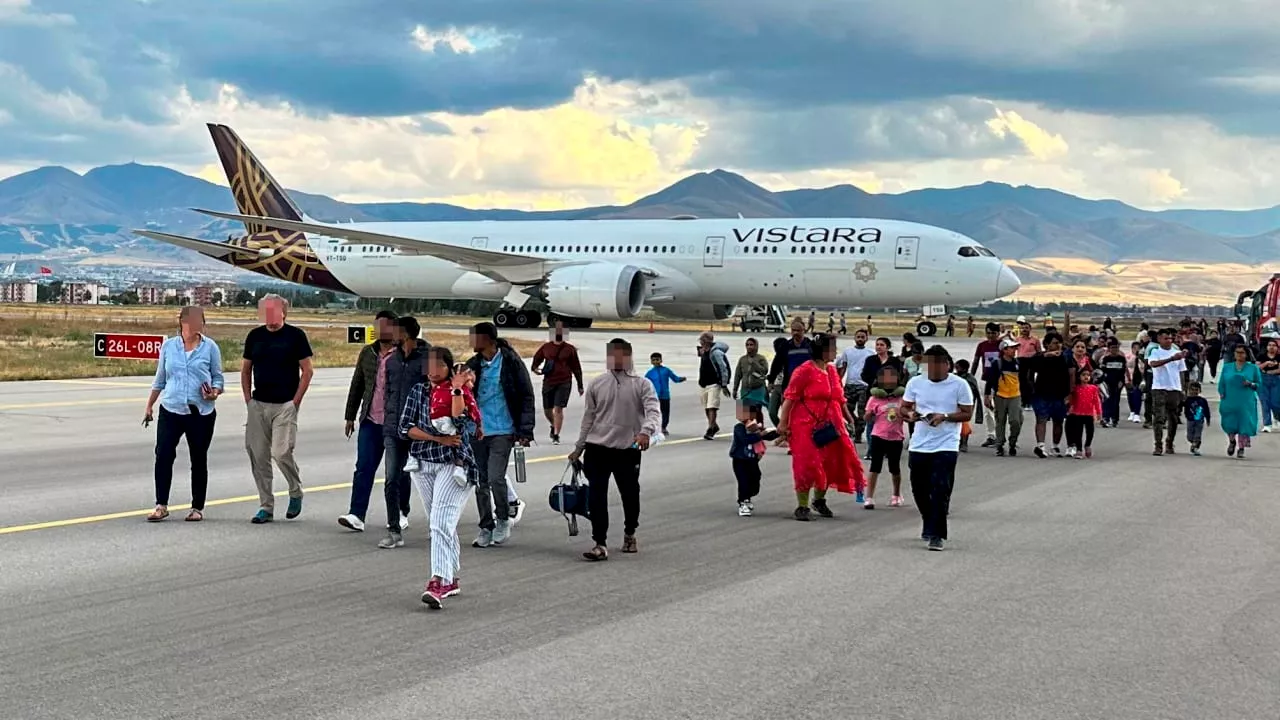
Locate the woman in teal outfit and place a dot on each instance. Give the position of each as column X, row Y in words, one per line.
column 1238, row 404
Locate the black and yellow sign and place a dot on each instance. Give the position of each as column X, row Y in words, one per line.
column 360, row 334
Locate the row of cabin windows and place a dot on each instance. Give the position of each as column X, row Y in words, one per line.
column 666, row 249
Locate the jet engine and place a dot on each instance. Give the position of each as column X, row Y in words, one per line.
column 695, row 312
column 605, row 291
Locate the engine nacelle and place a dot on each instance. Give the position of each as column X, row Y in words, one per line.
column 604, row 291
column 686, row 311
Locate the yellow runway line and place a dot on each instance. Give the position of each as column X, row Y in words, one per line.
column 251, row 498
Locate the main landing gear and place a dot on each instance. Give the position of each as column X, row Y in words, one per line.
column 524, row 319
column 926, row 328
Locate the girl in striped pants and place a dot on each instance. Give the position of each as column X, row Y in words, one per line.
column 441, row 418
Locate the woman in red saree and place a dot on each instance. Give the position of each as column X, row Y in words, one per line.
column 814, row 403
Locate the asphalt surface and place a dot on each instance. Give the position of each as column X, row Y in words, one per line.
column 1125, row 586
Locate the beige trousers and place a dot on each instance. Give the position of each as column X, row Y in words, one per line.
column 269, row 435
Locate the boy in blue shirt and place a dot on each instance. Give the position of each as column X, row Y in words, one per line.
column 661, row 376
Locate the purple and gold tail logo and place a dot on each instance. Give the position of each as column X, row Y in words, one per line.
column 257, row 193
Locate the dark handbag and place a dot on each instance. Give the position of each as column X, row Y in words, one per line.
column 825, row 433
column 571, row 498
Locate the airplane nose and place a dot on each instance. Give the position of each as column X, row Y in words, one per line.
column 1007, row 282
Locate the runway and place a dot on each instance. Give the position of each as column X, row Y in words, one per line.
column 1125, row 586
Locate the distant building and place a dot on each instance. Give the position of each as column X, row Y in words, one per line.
column 152, row 295
column 85, row 293
column 18, row 292
column 202, row 295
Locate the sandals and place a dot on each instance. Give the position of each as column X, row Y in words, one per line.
column 158, row 514
column 629, row 544
column 596, row 554
column 194, row 515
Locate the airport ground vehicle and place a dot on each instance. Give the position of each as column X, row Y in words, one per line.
column 1257, row 309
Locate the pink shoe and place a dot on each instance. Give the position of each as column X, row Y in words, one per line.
column 433, row 596
column 451, row 589
column 895, row 501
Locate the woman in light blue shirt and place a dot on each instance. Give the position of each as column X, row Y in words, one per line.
column 188, row 382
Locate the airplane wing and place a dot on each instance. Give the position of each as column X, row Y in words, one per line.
column 470, row 258
column 204, row 247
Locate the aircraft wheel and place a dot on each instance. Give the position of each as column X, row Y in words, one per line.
column 504, row 318
column 926, row 328
column 528, row 319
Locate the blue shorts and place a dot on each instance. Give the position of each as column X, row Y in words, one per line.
column 1049, row 408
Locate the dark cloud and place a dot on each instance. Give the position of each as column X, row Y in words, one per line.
column 127, row 58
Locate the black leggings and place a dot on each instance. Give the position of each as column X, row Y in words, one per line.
column 1213, row 366
column 882, row 450
column 199, row 431
column 1079, row 427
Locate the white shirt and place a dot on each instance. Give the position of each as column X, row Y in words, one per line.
column 945, row 396
column 1168, row 376
column 852, row 360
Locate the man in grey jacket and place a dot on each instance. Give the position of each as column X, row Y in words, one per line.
column 714, row 379
column 622, row 413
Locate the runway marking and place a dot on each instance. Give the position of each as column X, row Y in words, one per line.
column 254, row 498
column 115, row 401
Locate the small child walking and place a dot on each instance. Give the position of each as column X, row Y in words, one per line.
column 1196, row 409
column 884, row 417
column 746, row 449
column 1084, row 410
column 662, row 376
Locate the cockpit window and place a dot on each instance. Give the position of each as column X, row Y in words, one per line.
column 968, row 252
column 985, row 252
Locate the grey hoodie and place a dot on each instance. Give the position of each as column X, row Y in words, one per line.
column 619, row 405
column 720, row 361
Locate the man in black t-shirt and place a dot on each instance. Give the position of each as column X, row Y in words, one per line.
column 274, row 377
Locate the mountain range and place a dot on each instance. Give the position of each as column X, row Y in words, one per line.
column 53, row 209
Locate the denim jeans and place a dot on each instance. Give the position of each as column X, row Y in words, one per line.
column 368, row 458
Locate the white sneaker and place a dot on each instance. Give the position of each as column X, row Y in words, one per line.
column 1056, row 452
column 869, row 503
column 404, row 523
column 744, row 509
column 516, row 510
column 1071, row 452
column 1266, row 428
column 501, row 531
column 351, row 522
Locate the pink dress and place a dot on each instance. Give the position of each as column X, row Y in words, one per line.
column 818, row 397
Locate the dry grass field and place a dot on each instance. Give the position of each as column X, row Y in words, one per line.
column 1145, row 283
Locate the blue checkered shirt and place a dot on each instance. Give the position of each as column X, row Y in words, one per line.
column 417, row 412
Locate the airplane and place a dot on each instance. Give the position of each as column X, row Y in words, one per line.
column 585, row 270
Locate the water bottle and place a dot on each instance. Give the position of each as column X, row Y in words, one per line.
column 518, row 452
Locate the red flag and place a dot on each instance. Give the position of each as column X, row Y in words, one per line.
column 46, row 271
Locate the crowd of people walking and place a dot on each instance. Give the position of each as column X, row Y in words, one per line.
column 449, row 429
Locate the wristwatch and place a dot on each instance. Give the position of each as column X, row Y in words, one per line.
column 457, row 392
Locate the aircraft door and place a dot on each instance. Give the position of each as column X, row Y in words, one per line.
column 905, row 256
column 713, row 252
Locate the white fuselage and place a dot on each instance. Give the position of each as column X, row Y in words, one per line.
column 796, row 261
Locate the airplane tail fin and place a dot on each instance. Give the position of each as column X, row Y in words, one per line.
column 255, row 191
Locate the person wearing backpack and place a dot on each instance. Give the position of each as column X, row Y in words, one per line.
column 620, row 418
column 749, row 380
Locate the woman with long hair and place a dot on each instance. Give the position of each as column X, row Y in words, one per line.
column 188, row 381
column 441, row 419
column 816, row 420
column 1238, row 401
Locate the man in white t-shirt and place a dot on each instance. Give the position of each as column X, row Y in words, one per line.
column 1167, row 368
column 939, row 403
column 851, row 362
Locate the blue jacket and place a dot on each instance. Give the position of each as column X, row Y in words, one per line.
column 662, row 377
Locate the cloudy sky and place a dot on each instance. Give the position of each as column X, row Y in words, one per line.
column 554, row 103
